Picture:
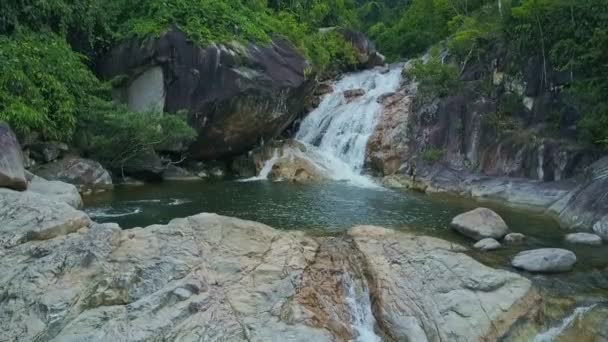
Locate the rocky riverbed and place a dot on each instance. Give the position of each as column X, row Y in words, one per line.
column 209, row 277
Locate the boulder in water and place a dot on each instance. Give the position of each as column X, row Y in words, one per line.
column 487, row 244
column 514, row 238
column 480, row 223
column 296, row 169
column 584, row 239
column 352, row 94
column 12, row 173
column 545, row 260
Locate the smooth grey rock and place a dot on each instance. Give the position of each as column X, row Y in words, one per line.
column 26, row 216
column 56, row 190
column 418, row 281
column 480, row 223
column 487, row 244
column 514, row 238
column 85, row 174
column 601, row 228
column 545, row 260
column 147, row 91
column 584, row 239
column 12, row 173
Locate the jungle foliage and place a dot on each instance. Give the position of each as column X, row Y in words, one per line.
column 47, row 47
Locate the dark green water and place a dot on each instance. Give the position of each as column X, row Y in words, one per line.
column 334, row 207
column 331, row 207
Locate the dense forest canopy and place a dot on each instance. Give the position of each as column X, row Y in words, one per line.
column 48, row 47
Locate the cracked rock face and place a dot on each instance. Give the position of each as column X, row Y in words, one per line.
column 215, row 278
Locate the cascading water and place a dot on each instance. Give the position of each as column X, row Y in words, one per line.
column 553, row 333
column 340, row 128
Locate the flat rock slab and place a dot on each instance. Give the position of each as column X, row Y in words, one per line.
column 487, row 244
column 480, row 223
column 215, row 278
column 545, row 260
column 584, row 239
column 427, row 289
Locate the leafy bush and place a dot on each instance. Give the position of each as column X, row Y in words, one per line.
column 432, row 155
column 44, row 85
column 435, row 78
column 114, row 135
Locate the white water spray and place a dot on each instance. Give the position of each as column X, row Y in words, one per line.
column 340, row 128
column 360, row 306
column 551, row 334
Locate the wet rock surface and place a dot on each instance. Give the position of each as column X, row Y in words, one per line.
column 209, row 277
column 545, row 260
column 487, row 244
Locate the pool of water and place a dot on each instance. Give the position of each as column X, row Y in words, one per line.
column 331, row 207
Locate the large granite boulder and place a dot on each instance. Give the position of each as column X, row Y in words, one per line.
column 27, row 216
column 56, row 190
column 427, row 289
column 235, row 95
column 215, row 278
column 12, row 173
column 586, row 207
column 295, row 168
column 545, row 260
column 480, row 223
column 85, row 174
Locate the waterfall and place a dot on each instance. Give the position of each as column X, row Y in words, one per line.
column 340, row 128
column 551, row 334
column 360, row 306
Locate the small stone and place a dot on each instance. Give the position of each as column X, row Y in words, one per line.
column 584, row 239
column 480, row 223
column 514, row 238
column 487, row 245
column 182, row 293
column 601, row 228
column 545, row 260
column 352, row 94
